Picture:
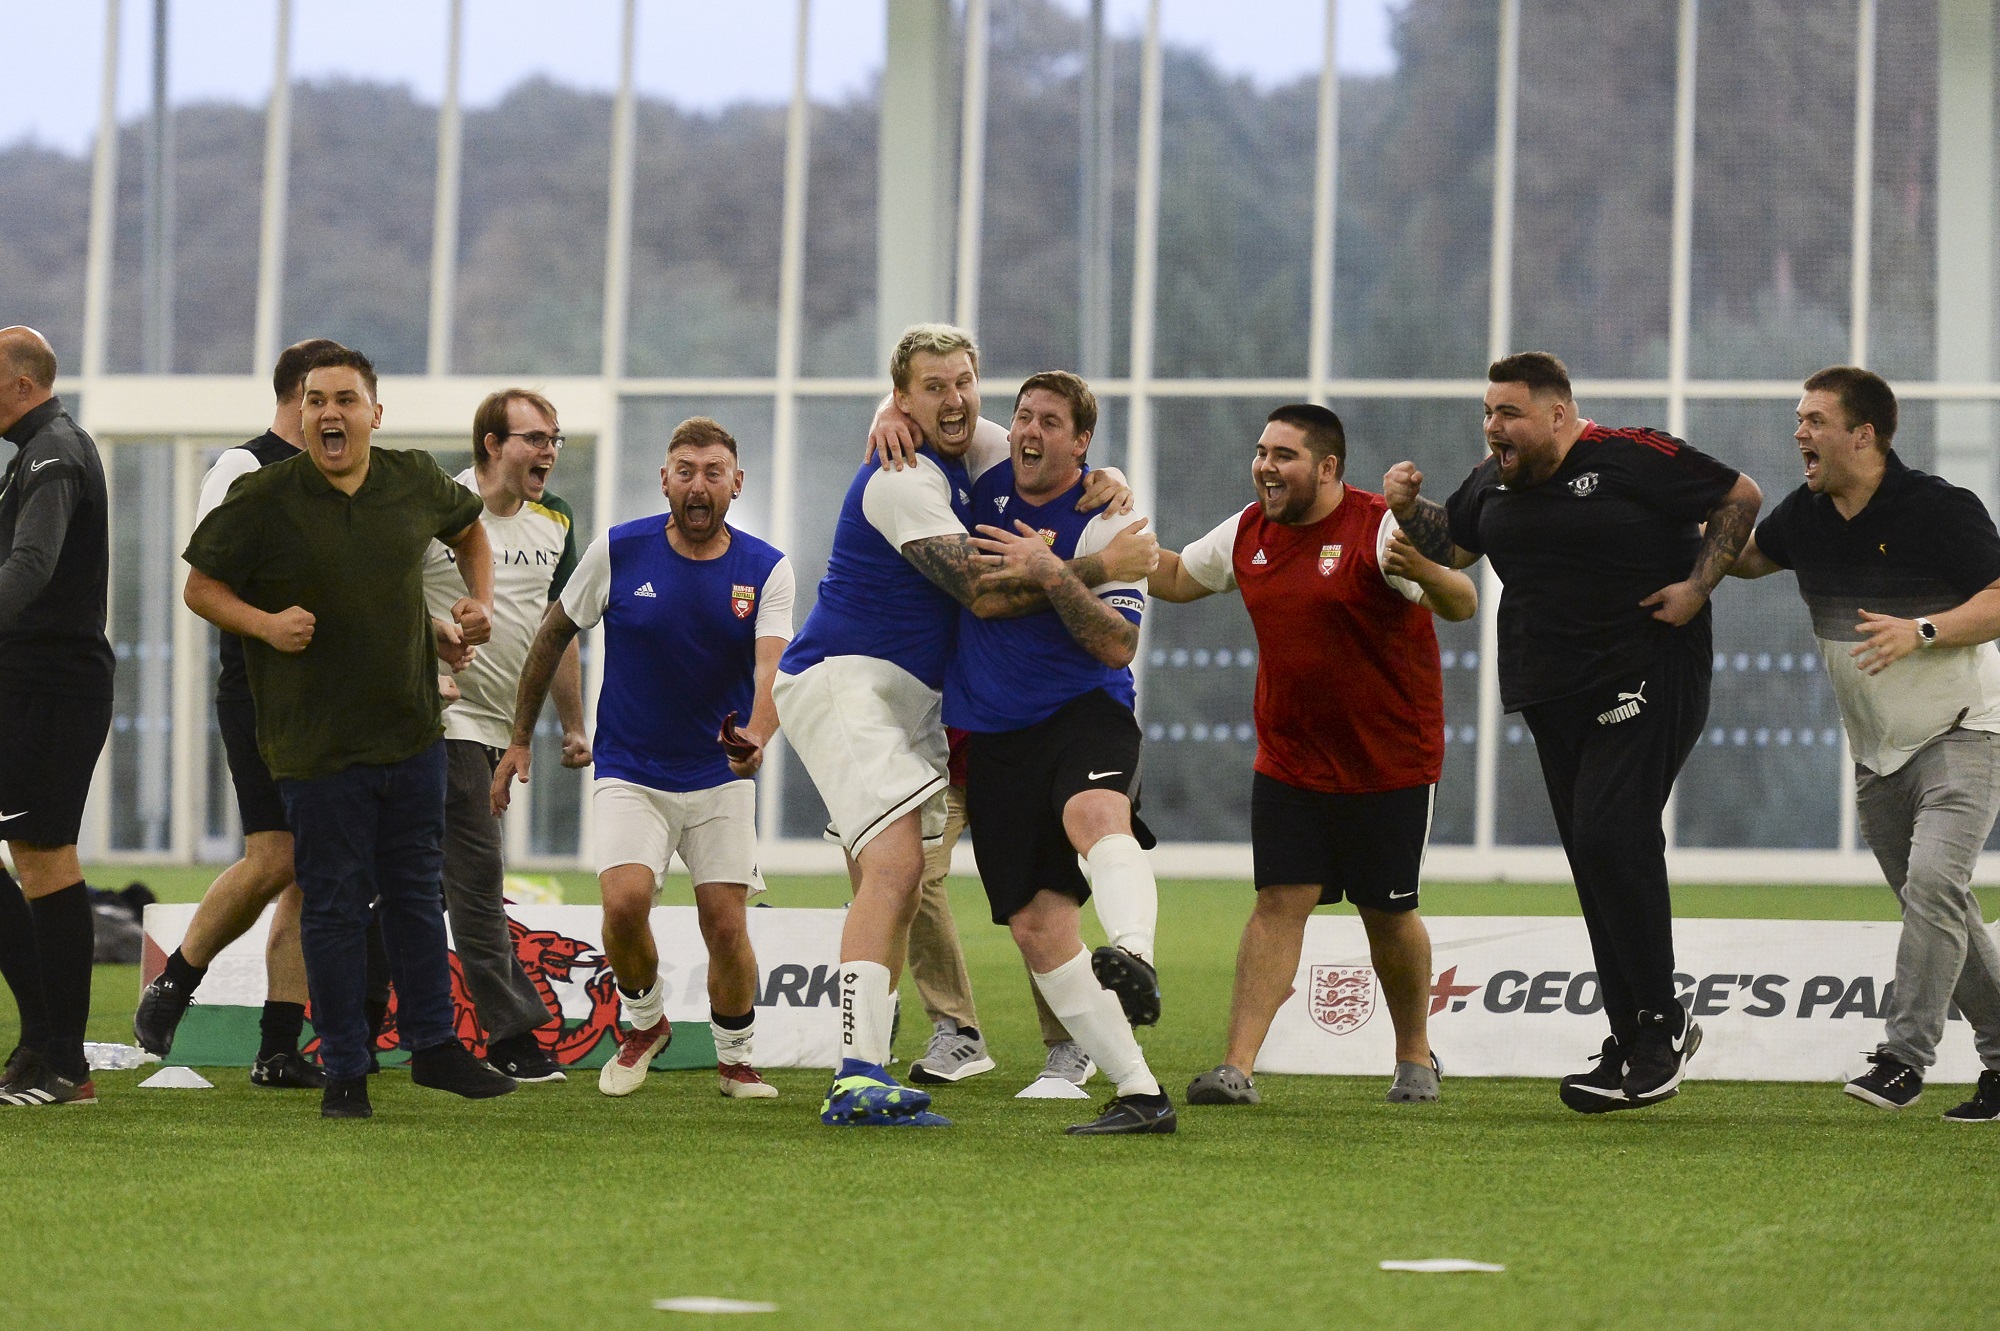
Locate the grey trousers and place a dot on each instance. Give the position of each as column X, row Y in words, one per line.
column 506, row 1000
column 1926, row 823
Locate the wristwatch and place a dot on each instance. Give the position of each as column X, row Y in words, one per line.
column 1926, row 632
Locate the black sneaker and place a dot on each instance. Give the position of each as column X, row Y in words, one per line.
column 1130, row 1114
column 289, row 1070
column 1659, row 1056
column 1602, row 1089
column 346, row 1097
column 48, row 1087
column 1890, row 1084
column 1983, row 1107
column 451, row 1067
column 22, row 1065
column 161, row 1007
column 1133, row 979
column 523, row 1059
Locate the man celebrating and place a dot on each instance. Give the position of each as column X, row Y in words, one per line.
column 318, row 564
column 55, row 710
column 1345, row 777
column 1919, row 693
column 1053, row 755
column 1608, row 543
column 515, row 443
column 695, row 615
column 238, row 896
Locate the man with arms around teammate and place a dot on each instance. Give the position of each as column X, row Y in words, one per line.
column 1052, row 758
column 1350, row 730
column 695, row 614
column 1608, row 543
column 1919, row 692
column 515, row 444
column 317, row 563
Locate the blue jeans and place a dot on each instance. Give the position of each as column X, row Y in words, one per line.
column 366, row 832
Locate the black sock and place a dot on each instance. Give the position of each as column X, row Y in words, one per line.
column 65, row 934
column 969, row 1032
column 21, row 963
column 378, row 1017
column 733, row 1023
column 281, row 1025
column 183, row 972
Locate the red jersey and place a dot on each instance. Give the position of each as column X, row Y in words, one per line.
column 1350, row 699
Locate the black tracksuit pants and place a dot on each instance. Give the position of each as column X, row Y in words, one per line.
column 1609, row 758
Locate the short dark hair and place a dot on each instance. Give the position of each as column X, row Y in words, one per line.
column 31, row 355
column 1864, row 395
column 1323, row 431
column 1071, row 389
column 491, row 417
column 346, row 358
column 288, row 379
column 700, row 432
column 1540, row 371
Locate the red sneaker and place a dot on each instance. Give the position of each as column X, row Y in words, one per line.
column 626, row 1072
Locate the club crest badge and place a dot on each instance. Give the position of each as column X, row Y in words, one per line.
column 1583, row 485
column 742, row 599
column 1341, row 998
column 1047, row 535
column 1329, row 559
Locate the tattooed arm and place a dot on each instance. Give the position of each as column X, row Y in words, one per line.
column 552, row 641
column 1729, row 525
column 1098, row 629
column 1423, row 520
column 955, row 564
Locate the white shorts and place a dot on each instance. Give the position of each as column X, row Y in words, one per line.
column 714, row 831
column 871, row 735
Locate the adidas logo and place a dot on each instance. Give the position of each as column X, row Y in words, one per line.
column 1000, row 502
column 1258, row 559
column 646, row 589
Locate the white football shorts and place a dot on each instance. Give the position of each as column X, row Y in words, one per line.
column 871, row 736
column 714, row 831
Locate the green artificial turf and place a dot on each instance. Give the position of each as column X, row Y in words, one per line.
column 1740, row 1205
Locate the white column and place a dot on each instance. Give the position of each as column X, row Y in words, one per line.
column 972, row 166
column 1140, row 468
column 277, row 188
column 1499, row 335
column 1680, row 276
column 915, row 182
column 1965, row 274
column 444, row 211
column 1326, row 170
column 189, row 795
column 785, row 410
column 1861, row 257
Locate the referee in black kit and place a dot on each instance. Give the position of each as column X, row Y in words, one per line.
column 55, row 710
column 1608, row 543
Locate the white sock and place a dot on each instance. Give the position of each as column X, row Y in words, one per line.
column 732, row 1046
column 1092, row 1016
column 1123, row 890
column 865, row 1012
column 647, row 1009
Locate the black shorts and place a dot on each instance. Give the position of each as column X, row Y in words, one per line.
column 257, row 801
column 1017, row 782
column 1367, row 848
column 48, row 750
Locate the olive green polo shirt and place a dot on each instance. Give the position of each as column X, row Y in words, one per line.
column 365, row 690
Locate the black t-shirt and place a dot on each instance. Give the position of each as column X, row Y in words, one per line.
column 232, row 682
column 56, row 643
column 1920, row 545
column 1617, row 521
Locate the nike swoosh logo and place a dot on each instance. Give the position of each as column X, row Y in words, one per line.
column 37, row 466
column 1099, row 776
column 1398, row 896
column 10, row 817
column 1608, row 1093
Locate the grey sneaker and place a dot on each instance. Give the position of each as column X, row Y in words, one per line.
column 1067, row 1062
column 1224, row 1084
column 955, row 1053
column 1415, row 1083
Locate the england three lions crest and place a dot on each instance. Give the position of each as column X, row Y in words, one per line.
column 742, row 600
column 1341, row 998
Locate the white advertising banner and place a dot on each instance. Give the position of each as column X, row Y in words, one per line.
column 1513, row 996
column 562, row 950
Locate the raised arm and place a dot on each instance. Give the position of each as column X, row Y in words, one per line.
column 1171, row 581
column 1424, row 519
column 552, row 640
column 1448, row 593
column 1728, row 526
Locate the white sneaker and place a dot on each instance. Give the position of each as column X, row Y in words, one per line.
column 626, row 1071
column 952, row 1055
column 1068, row 1063
column 739, row 1081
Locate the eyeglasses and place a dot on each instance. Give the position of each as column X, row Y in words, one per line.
column 538, row 440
